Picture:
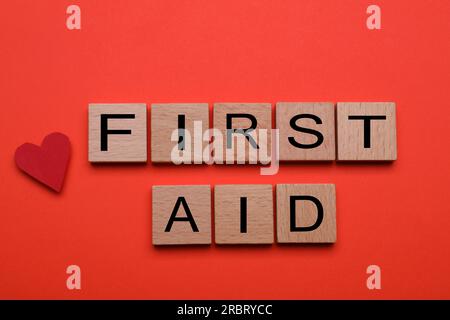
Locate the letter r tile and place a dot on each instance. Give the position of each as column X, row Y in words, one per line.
column 181, row 214
column 117, row 132
column 246, row 130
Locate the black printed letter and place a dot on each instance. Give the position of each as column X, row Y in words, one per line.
column 104, row 128
column 319, row 206
column 306, row 130
column 245, row 132
column 366, row 126
column 173, row 216
column 243, row 214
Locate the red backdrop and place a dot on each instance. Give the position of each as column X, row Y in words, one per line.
column 393, row 215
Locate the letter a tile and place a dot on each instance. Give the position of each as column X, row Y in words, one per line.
column 181, row 214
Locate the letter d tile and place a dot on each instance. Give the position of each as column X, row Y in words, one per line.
column 306, row 213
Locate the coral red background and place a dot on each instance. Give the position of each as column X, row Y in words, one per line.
column 396, row 216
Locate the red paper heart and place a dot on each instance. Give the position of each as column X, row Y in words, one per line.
column 46, row 163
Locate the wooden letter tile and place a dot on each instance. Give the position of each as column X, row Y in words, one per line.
column 296, row 120
column 243, row 214
column 181, row 214
column 166, row 118
column 306, row 213
column 366, row 131
column 117, row 133
column 241, row 117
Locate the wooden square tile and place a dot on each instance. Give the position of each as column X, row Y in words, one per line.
column 245, row 122
column 307, row 131
column 181, row 214
column 366, row 131
column 117, row 132
column 306, row 213
column 243, row 214
column 168, row 117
